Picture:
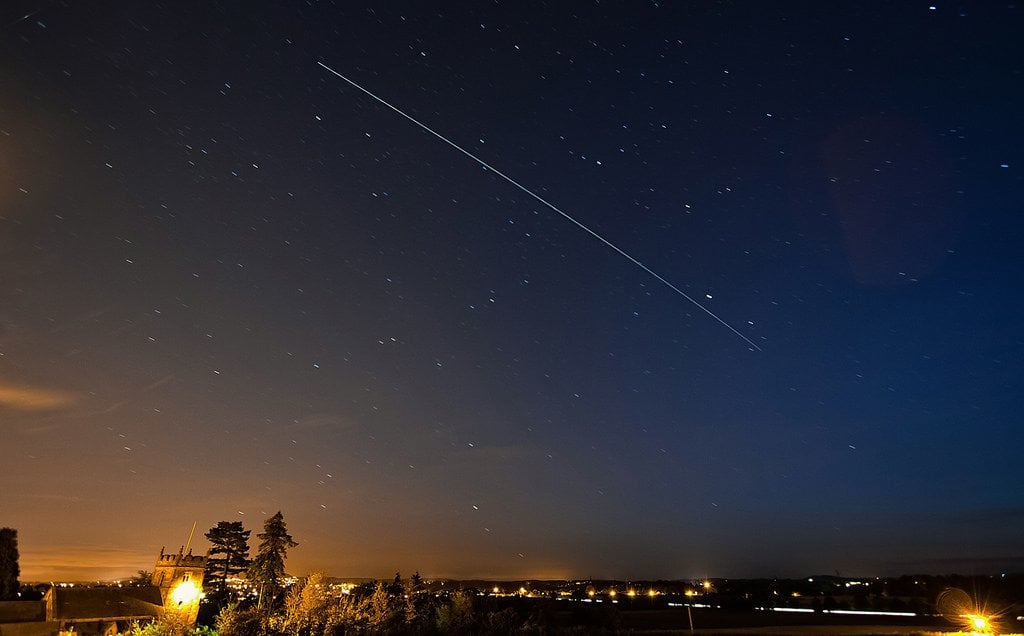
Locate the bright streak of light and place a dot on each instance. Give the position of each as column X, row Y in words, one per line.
column 546, row 203
column 799, row 610
column 869, row 613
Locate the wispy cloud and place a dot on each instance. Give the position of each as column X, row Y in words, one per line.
column 20, row 397
column 81, row 563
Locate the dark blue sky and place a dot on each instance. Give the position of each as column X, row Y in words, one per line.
column 233, row 284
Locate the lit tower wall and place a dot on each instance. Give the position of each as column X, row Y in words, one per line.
column 180, row 579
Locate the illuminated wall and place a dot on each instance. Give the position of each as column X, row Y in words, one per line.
column 180, row 580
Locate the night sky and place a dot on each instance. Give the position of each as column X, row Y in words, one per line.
column 231, row 283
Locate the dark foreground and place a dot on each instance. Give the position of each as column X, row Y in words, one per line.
column 708, row 622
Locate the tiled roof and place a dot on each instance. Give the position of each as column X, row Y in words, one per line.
column 105, row 602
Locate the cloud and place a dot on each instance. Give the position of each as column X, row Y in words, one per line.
column 82, row 563
column 28, row 398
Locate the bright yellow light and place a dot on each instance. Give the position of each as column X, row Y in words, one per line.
column 978, row 623
column 496, row 589
column 631, row 593
column 185, row 593
column 651, row 593
column 591, row 593
column 690, row 593
column 612, row 593
column 707, row 585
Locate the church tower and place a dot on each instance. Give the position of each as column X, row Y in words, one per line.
column 180, row 580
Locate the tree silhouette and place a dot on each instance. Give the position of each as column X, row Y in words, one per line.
column 142, row 578
column 267, row 569
column 228, row 555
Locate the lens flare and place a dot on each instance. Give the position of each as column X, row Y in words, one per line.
column 958, row 607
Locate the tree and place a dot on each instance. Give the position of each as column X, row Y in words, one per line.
column 228, row 555
column 170, row 624
column 142, row 578
column 456, row 616
column 417, row 605
column 311, row 607
column 416, row 583
column 267, row 569
column 235, row 621
column 383, row 611
column 397, row 588
column 9, row 569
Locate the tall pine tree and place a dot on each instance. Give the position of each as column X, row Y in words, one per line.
column 228, row 556
column 267, row 569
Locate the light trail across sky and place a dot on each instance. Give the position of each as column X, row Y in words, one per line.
column 546, row 203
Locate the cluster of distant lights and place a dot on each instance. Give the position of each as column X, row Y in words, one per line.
column 977, row 624
column 592, row 594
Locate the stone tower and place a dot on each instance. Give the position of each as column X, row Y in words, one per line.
column 180, row 580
